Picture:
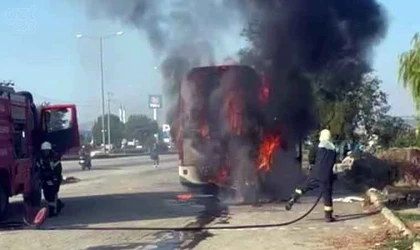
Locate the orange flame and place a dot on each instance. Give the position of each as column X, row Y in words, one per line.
column 204, row 131
column 267, row 147
column 234, row 114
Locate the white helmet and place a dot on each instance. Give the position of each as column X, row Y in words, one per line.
column 325, row 135
column 46, row 146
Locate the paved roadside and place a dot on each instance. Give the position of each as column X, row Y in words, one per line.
column 106, row 201
column 356, row 228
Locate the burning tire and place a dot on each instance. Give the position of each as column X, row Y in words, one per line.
column 4, row 201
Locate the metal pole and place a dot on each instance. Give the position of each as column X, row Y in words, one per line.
column 154, row 114
column 102, row 94
column 109, row 120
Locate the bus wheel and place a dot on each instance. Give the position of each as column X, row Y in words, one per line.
column 4, row 201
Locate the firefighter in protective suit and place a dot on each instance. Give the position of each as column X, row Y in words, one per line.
column 321, row 175
column 50, row 168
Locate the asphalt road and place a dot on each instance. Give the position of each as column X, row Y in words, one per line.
column 116, row 194
column 72, row 167
column 112, row 204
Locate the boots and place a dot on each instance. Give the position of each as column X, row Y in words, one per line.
column 329, row 216
column 295, row 197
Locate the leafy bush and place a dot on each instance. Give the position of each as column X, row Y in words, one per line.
column 404, row 140
column 406, row 161
column 373, row 172
column 400, row 166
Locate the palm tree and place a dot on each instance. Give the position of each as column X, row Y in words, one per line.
column 409, row 70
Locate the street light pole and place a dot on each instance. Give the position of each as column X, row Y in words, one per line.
column 101, row 38
column 109, row 120
column 102, row 94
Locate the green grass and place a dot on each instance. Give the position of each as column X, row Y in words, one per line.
column 409, row 217
column 401, row 243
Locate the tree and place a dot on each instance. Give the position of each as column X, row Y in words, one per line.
column 409, row 69
column 117, row 130
column 394, row 132
column 85, row 138
column 142, row 128
column 361, row 107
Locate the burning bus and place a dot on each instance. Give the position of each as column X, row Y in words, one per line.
column 221, row 131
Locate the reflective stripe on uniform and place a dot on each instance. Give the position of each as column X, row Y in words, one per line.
column 55, row 164
column 328, row 208
column 298, row 191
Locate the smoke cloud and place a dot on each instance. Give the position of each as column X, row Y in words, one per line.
column 301, row 45
column 308, row 45
column 182, row 33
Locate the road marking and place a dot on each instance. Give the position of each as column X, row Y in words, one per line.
column 150, row 247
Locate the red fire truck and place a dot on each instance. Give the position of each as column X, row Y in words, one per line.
column 23, row 127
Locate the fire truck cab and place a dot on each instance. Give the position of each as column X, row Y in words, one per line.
column 23, row 127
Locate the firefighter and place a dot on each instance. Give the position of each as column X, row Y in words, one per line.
column 321, row 176
column 84, row 153
column 50, row 168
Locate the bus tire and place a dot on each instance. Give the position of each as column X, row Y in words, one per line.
column 4, row 201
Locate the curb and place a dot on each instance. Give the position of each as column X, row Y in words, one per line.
column 378, row 200
column 416, row 245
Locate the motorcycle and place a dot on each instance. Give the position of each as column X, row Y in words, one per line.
column 85, row 163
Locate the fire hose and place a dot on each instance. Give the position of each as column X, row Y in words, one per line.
column 19, row 225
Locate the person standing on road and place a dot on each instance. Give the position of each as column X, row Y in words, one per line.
column 84, row 152
column 321, row 175
column 154, row 154
column 50, row 168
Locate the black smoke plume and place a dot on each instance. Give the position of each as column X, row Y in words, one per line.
column 303, row 46
column 181, row 33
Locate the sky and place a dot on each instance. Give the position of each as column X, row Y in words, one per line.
column 40, row 53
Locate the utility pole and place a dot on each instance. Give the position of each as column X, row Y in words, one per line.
column 109, row 120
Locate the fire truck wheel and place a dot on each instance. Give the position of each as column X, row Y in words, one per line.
column 4, row 201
